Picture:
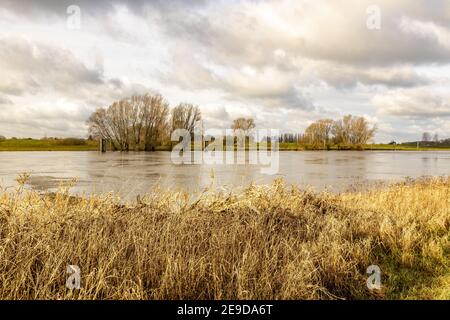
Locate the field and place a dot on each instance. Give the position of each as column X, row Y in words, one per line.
column 268, row 242
column 71, row 144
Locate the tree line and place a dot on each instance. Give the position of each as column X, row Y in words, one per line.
column 144, row 122
column 350, row 132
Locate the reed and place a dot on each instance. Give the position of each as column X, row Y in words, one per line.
column 268, row 242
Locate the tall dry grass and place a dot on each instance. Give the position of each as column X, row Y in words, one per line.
column 269, row 242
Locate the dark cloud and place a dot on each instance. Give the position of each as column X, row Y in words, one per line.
column 97, row 7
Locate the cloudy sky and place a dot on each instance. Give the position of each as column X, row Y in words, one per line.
column 285, row 63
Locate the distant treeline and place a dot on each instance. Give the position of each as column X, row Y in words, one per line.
column 444, row 143
column 54, row 140
column 144, row 122
column 347, row 133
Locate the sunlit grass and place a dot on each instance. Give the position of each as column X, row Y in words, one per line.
column 46, row 145
column 268, row 242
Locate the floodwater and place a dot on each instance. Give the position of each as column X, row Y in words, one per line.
column 130, row 174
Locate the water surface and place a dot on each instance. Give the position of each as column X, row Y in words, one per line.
column 130, row 174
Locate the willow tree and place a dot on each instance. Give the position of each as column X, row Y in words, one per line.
column 318, row 134
column 186, row 116
column 137, row 122
column 244, row 124
column 352, row 131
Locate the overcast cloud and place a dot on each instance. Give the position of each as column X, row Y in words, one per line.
column 285, row 63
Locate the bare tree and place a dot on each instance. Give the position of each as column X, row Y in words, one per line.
column 244, row 124
column 352, row 131
column 186, row 116
column 342, row 130
column 318, row 134
column 100, row 126
column 131, row 122
column 155, row 120
column 436, row 138
column 361, row 133
column 242, row 128
column 426, row 137
column 119, row 116
column 137, row 116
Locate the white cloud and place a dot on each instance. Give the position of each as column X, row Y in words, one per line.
column 427, row 30
column 417, row 103
column 283, row 62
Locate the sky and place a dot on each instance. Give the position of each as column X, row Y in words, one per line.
column 284, row 63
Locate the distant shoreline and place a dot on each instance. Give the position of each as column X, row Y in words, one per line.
column 74, row 149
column 13, row 145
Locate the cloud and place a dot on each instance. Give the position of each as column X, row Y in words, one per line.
column 416, row 103
column 267, row 52
column 4, row 100
column 334, row 31
column 34, row 66
column 273, row 60
column 347, row 77
column 44, row 87
column 427, row 30
column 61, row 119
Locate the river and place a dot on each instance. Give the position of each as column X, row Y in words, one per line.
column 130, row 174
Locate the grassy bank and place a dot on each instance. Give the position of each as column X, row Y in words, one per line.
column 287, row 146
column 89, row 145
column 269, row 242
column 48, row 145
column 404, row 147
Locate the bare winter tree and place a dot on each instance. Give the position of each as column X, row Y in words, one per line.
column 100, row 126
column 342, row 130
column 352, row 131
column 436, row 138
column 137, row 116
column 155, row 120
column 318, row 134
column 361, row 132
column 120, row 118
column 186, row 116
column 426, row 137
column 244, row 124
column 132, row 122
column 243, row 128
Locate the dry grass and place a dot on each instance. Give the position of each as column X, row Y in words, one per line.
column 270, row 242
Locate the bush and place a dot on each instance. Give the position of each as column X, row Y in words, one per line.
column 2, row 138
